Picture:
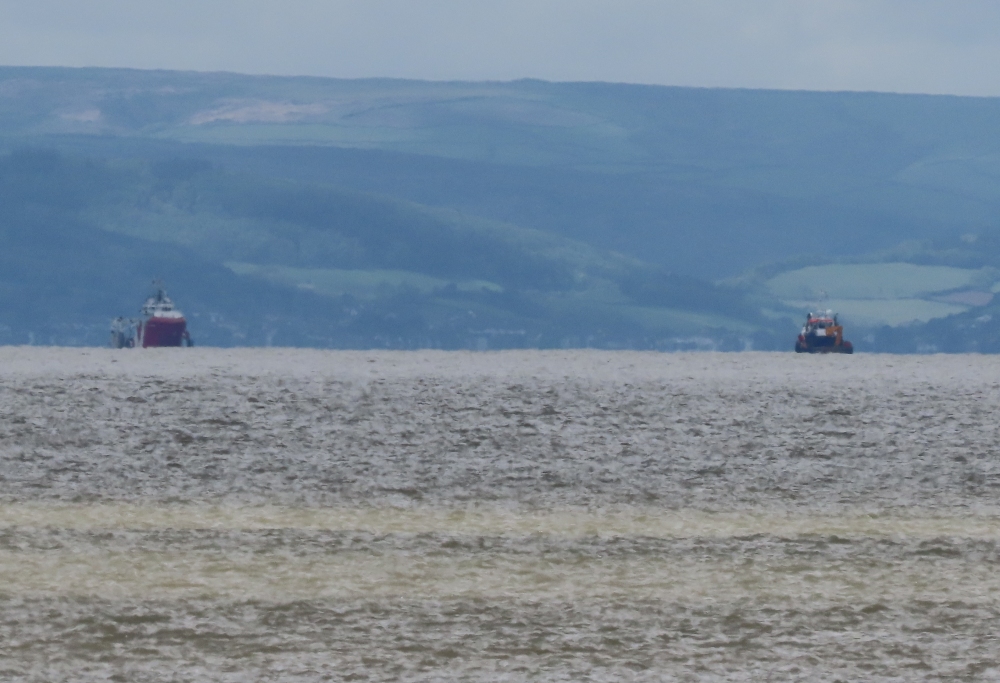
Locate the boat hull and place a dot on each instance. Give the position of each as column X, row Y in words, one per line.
column 163, row 332
column 806, row 347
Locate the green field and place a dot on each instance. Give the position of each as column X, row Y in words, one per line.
column 876, row 312
column 872, row 281
column 363, row 284
column 875, row 294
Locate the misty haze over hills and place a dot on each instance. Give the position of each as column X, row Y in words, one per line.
column 306, row 211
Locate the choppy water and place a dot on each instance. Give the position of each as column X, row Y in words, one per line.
column 302, row 516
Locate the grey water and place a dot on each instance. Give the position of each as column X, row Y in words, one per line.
column 207, row 515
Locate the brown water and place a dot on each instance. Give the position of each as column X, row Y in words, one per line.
column 300, row 516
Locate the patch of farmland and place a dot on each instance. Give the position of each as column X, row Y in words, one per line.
column 874, row 294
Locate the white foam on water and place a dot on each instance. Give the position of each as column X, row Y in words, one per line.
column 629, row 521
column 798, row 579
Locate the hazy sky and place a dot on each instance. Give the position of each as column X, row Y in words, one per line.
column 929, row 46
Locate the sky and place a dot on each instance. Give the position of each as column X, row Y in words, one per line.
column 917, row 46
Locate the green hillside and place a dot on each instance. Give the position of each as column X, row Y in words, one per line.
column 570, row 213
column 299, row 263
column 705, row 182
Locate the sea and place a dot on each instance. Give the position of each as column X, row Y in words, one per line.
column 303, row 515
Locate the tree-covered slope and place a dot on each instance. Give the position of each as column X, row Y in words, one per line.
column 545, row 213
column 257, row 260
column 708, row 182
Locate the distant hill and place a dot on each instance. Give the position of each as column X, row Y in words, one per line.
column 566, row 213
column 262, row 261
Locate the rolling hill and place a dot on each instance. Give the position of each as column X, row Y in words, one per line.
column 264, row 261
column 545, row 213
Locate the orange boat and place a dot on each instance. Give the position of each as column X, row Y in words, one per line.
column 822, row 334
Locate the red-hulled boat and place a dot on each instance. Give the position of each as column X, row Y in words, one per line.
column 161, row 324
